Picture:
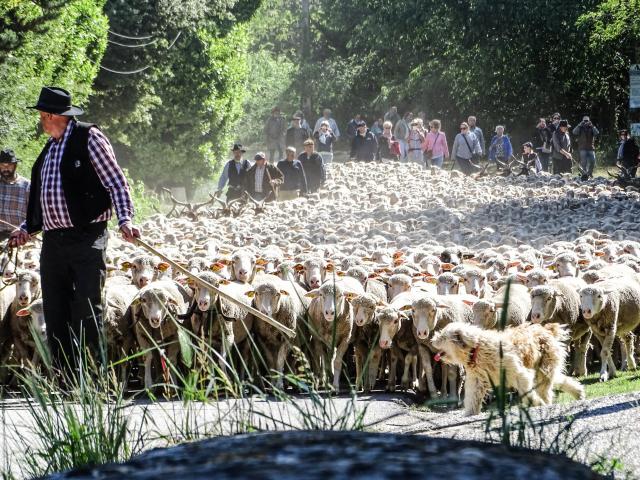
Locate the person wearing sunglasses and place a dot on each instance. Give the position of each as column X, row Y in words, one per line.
column 466, row 148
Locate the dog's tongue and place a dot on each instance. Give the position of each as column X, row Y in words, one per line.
column 438, row 356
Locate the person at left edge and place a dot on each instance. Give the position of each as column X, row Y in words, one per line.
column 75, row 181
column 14, row 194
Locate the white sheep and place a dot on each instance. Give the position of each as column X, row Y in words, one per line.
column 611, row 309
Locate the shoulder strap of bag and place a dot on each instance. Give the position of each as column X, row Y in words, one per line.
column 467, row 142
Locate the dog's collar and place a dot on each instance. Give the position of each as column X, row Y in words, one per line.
column 473, row 356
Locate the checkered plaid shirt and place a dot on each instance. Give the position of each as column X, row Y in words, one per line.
column 259, row 178
column 54, row 206
column 14, row 197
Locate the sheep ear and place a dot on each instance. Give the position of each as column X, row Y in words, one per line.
column 261, row 261
column 351, row 295
column 223, row 281
column 599, row 253
column 380, row 304
column 405, row 308
column 551, row 267
column 446, row 267
column 135, row 302
column 432, row 280
column 163, row 266
column 250, row 293
column 561, row 295
column 298, row 267
column 312, row 293
column 522, row 278
column 469, row 301
column 584, row 262
column 330, row 267
column 23, row 312
column 496, row 305
column 515, row 263
column 341, row 274
column 124, row 266
column 443, row 306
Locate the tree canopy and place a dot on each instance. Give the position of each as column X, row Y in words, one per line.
column 45, row 43
column 504, row 61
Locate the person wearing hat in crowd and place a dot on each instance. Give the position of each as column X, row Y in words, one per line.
column 586, row 133
column 562, row 159
column 296, row 134
column 628, row 152
column 364, row 146
column 234, row 172
column 325, row 139
column 295, row 181
column 14, row 194
column 274, row 130
column 303, row 121
column 313, row 166
column 263, row 180
column 416, row 141
column 75, row 182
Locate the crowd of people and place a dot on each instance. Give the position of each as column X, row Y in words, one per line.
column 409, row 138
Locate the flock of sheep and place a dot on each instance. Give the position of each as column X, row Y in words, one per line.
column 385, row 259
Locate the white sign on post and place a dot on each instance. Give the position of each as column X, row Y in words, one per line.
column 634, row 86
column 635, row 130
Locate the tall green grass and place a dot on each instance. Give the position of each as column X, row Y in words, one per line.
column 85, row 415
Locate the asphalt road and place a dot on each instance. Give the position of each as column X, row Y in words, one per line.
column 605, row 428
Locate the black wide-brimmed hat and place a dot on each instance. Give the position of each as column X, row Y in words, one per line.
column 8, row 156
column 238, row 146
column 57, row 101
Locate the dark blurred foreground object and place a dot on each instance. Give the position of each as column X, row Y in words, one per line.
column 338, row 455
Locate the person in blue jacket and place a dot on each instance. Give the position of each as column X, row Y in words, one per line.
column 500, row 148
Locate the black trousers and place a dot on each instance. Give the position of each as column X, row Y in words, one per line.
column 73, row 272
column 562, row 165
column 234, row 192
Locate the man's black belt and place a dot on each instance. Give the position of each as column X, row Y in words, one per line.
column 88, row 228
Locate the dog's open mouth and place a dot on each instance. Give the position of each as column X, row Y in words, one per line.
column 439, row 356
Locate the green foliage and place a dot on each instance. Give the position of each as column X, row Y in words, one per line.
column 172, row 121
column 145, row 202
column 507, row 62
column 61, row 46
column 270, row 83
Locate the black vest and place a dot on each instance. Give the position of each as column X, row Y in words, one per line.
column 237, row 179
column 84, row 193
